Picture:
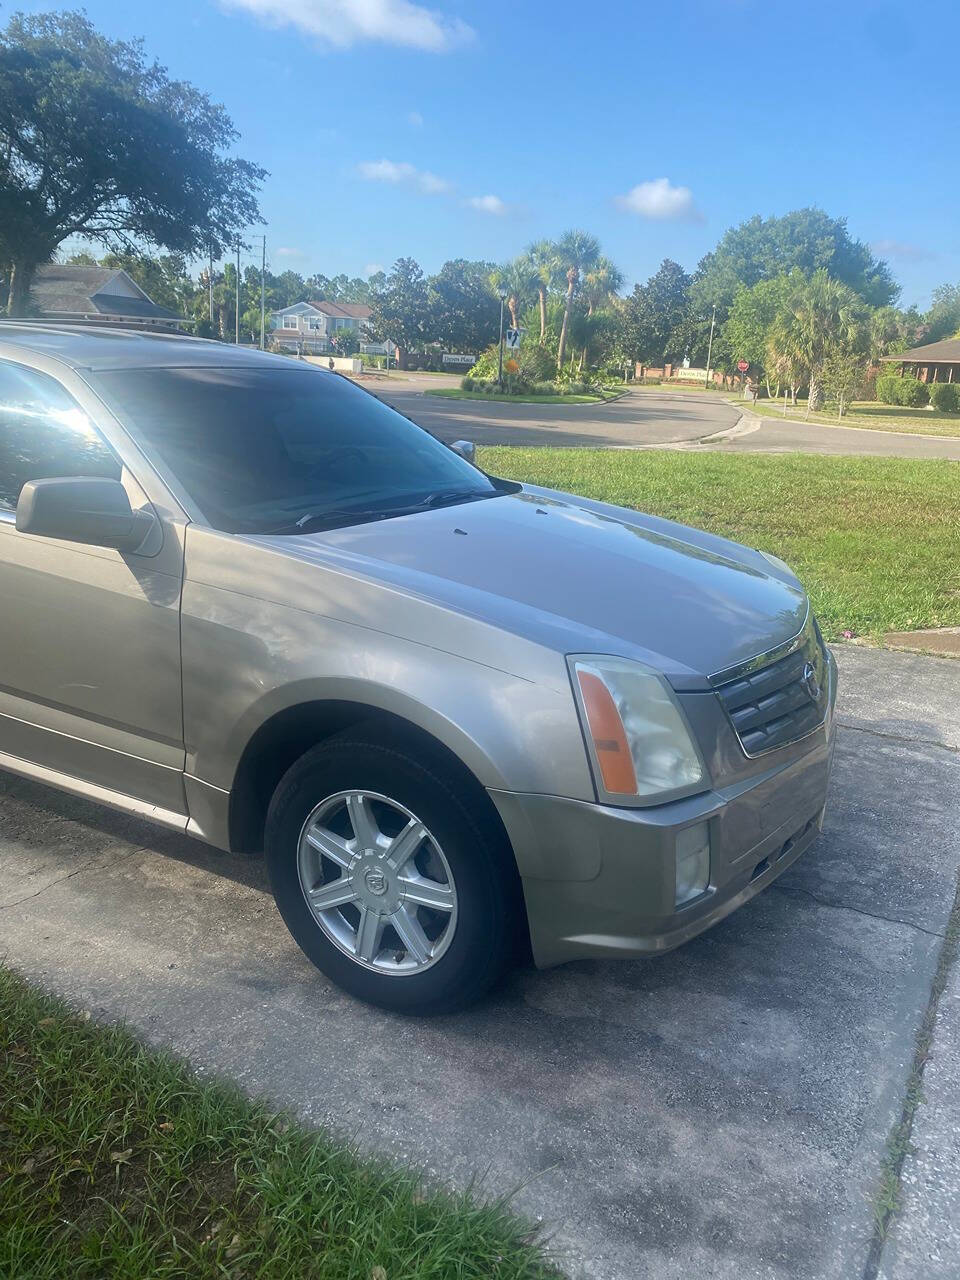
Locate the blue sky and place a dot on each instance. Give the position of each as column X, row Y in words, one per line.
column 468, row 129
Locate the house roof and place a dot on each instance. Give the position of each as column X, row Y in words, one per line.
column 75, row 290
column 945, row 352
column 354, row 310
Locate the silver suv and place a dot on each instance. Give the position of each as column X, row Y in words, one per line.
column 466, row 719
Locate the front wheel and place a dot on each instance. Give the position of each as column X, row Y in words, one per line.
column 390, row 881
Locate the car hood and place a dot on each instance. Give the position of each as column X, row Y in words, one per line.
column 582, row 574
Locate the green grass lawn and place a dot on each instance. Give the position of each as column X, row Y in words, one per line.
column 867, row 413
column 456, row 393
column 876, row 541
column 116, row 1161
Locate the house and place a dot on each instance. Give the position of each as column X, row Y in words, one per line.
column 105, row 295
column 936, row 362
column 312, row 326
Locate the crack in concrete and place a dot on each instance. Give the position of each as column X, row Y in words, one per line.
column 86, row 866
column 901, row 738
column 860, row 911
column 887, row 1199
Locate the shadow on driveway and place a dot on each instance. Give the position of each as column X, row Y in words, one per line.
column 719, row 1111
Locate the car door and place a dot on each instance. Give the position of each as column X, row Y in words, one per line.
column 90, row 691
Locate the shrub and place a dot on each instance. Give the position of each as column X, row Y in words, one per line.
column 907, row 391
column 543, row 389
column 577, row 388
column 466, row 383
column 945, row 396
column 913, row 393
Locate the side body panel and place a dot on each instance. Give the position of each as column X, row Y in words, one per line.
column 262, row 632
column 90, row 673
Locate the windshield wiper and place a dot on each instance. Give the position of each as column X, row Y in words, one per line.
column 363, row 515
column 449, row 497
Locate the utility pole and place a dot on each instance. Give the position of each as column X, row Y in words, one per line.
column 210, row 289
column 713, row 321
column 263, row 292
column 238, row 295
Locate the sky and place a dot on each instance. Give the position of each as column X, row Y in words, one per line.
column 468, row 129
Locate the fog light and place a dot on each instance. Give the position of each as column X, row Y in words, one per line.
column 693, row 862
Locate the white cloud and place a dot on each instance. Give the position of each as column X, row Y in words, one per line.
column 289, row 253
column 901, row 250
column 400, row 172
column 487, row 204
column 661, row 201
column 371, row 269
column 342, row 23
column 415, row 118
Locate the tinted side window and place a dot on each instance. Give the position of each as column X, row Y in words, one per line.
column 44, row 434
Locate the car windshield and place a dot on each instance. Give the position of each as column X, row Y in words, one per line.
column 285, row 450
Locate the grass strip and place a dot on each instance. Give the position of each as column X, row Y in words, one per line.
column 115, row 1160
column 876, row 541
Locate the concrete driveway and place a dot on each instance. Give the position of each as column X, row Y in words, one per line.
column 640, row 419
column 721, row 1111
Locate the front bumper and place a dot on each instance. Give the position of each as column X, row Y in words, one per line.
column 601, row 881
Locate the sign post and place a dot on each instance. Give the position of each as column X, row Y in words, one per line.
column 743, row 366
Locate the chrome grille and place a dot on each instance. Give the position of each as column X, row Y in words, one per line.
column 772, row 704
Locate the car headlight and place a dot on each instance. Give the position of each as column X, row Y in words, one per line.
column 639, row 743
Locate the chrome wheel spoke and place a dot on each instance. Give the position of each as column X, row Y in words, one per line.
column 369, row 934
column 335, row 894
column 362, row 820
column 371, row 911
column 331, row 846
column 410, row 933
column 403, row 846
column 426, row 893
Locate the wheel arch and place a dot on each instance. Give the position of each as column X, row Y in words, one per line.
column 288, row 733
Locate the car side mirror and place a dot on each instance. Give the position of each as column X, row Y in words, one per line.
column 466, row 449
column 83, row 509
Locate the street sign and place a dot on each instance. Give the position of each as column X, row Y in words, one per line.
column 512, row 337
column 743, row 365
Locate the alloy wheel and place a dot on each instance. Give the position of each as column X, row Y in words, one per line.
column 377, row 883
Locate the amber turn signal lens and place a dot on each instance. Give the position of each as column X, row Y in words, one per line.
column 609, row 739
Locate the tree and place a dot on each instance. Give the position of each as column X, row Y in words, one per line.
column 822, row 319
column 165, row 278
column 519, row 281
column 577, row 253
column 346, row 341
column 943, row 318
column 94, row 140
column 542, row 256
column 463, row 311
column 808, row 240
column 656, row 316
column 399, row 310
column 843, row 374
column 752, row 316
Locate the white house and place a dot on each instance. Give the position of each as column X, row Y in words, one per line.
column 312, row 326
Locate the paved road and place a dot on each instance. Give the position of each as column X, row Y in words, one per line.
column 640, row 419
column 721, row 1111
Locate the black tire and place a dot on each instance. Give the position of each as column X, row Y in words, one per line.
column 487, row 929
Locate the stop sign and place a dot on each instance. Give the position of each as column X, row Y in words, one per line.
column 743, row 365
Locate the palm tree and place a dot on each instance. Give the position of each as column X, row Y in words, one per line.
column 822, row 318
column 517, row 279
column 542, row 256
column 601, row 284
column 578, row 253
